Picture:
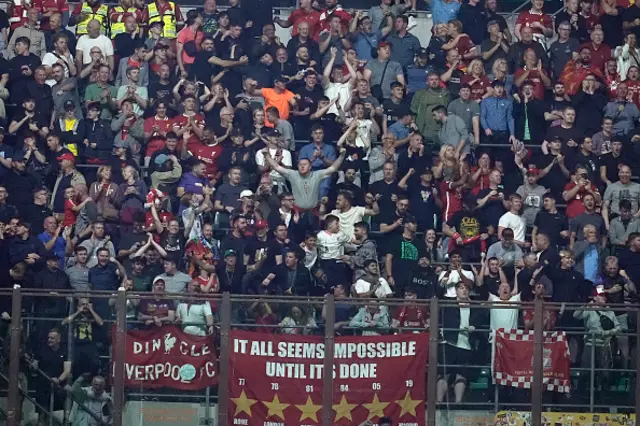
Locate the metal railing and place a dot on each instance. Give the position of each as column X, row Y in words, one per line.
column 229, row 305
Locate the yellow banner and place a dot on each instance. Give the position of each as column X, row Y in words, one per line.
column 523, row 418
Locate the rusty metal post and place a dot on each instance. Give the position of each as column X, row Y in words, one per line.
column 432, row 367
column 119, row 350
column 13, row 398
column 327, row 372
column 538, row 373
column 225, row 356
column 637, row 368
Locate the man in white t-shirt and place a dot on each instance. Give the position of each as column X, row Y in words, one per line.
column 505, row 318
column 337, row 88
column 347, row 214
column 92, row 39
column 371, row 284
column 454, row 274
column 512, row 219
column 60, row 55
column 331, row 243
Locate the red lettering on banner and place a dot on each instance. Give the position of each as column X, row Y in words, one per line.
column 167, row 357
column 276, row 380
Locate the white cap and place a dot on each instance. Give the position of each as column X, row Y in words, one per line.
column 246, row 193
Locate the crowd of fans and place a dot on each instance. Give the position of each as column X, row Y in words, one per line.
column 164, row 154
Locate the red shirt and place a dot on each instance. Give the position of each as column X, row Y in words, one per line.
column 527, row 18
column 591, row 21
column 181, row 121
column 479, row 88
column 324, row 21
column 599, row 56
column 50, row 5
column 300, row 15
column 464, row 46
column 155, row 143
column 186, row 35
column 534, row 77
column 164, row 217
column 411, row 316
column 210, row 154
column 452, row 200
column 481, row 183
column 69, row 215
column 575, row 206
column 633, row 87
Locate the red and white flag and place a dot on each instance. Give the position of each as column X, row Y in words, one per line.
column 513, row 360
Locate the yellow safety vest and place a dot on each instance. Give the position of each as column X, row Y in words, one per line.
column 169, row 20
column 102, row 16
column 118, row 27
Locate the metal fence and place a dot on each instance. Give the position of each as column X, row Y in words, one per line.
column 595, row 387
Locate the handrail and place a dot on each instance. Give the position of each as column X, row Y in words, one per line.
column 33, row 401
column 69, row 393
column 35, row 367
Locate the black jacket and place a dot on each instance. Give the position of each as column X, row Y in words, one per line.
column 20, row 187
column 19, row 249
column 98, row 132
column 534, row 110
column 301, row 284
column 450, row 321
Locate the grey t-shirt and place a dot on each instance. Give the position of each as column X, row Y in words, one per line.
column 377, row 70
column 561, row 53
column 175, row 283
column 378, row 16
column 336, row 42
column 617, row 191
column 286, row 134
column 78, row 277
column 305, row 189
column 465, row 110
column 453, row 131
column 579, row 222
column 531, row 201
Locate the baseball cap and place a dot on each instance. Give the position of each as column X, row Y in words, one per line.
column 533, row 171
column 236, row 132
column 69, row 105
column 161, row 159
column 496, row 83
column 261, row 224
column 423, row 52
column 230, row 252
column 280, row 79
column 246, row 193
column 273, row 133
column 160, row 22
column 67, row 156
column 384, row 44
column 18, row 156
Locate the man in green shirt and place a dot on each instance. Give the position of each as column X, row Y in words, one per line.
column 421, row 105
column 101, row 91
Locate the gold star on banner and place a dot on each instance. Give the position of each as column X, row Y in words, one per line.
column 243, row 404
column 343, row 409
column 276, row 408
column 408, row 405
column 309, row 410
column 376, row 407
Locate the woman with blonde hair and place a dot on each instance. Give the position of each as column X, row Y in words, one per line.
column 449, row 165
column 477, row 80
column 500, row 72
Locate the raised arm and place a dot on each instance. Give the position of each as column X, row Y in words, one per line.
column 336, row 164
